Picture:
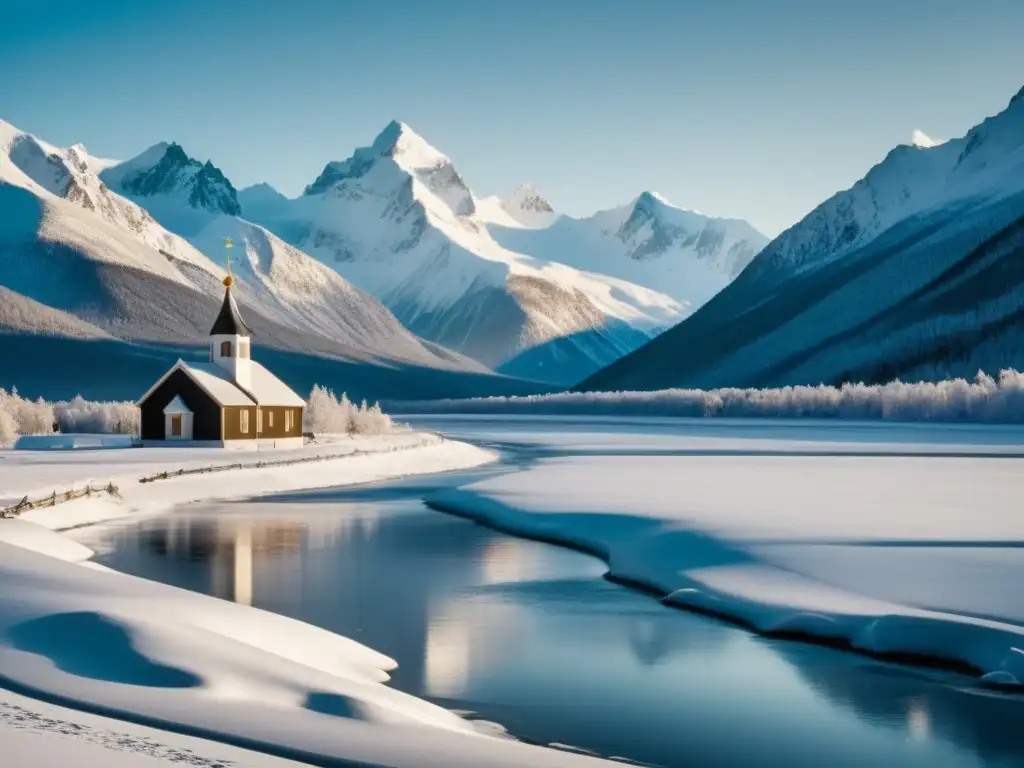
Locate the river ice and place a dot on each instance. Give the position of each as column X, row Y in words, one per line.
column 900, row 542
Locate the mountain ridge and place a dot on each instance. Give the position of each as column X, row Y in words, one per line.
column 910, row 272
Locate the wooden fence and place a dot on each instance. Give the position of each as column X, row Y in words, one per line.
column 56, row 498
column 110, row 489
column 170, row 474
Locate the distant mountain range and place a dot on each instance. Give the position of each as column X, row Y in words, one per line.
column 390, row 240
column 81, row 263
column 509, row 283
column 917, row 271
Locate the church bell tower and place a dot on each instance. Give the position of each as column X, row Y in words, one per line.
column 230, row 337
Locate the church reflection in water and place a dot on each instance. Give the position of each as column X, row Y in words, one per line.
column 530, row 636
column 356, row 575
column 228, row 549
column 444, row 610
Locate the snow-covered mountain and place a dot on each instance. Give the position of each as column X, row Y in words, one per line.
column 525, row 208
column 398, row 220
column 86, row 263
column 260, row 201
column 915, row 271
column 650, row 242
column 182, row 193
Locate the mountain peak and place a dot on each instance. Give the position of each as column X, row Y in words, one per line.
column 166, row 169
column 527, row 198
column 406, row 147
column 651, row 198
column 412, row 156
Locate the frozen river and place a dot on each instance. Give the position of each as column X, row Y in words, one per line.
column 531, row 636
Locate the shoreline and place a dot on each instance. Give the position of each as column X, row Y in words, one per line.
column 334, row 462
column 495, row 515
column 200, row 666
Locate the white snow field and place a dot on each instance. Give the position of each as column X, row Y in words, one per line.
column 83, row 637
column 900, row 541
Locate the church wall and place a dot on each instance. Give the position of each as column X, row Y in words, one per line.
column 206, row 412
column 233, row 422
column 277, row 428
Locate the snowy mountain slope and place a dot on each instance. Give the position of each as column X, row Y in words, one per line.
column 927, row 282
column 260, row 202
column 525, row 208
column 181, row 192
column 305, row 294
column 52, row 195
column 399, row 221
column 571, row 358
column 649, row 242
column 977, row 169
column 78, row 260
column 21, row 315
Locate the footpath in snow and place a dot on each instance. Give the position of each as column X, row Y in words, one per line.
column 87, row 639
column 909, row 552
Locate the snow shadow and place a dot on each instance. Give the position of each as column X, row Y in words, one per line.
column 90, row 645
column 335, row 705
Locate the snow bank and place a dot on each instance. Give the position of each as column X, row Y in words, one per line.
column 908, row 558
column 37, row 474
column 984, row 399
column 22, row 533
column 160, row 656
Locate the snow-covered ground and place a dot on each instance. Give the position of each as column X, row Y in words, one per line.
column 38, row 473
column 895, row 540
column 80, row 636
column 35, row 734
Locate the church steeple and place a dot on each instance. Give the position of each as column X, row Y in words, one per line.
column 229, row 321
column 230, row 336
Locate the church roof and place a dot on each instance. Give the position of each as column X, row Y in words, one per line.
column 264, row 389
column 229, row 322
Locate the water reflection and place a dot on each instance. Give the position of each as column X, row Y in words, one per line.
column 920, row 704
column 531, row 636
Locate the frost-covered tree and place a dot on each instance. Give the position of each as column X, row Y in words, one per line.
column 982, row 399
column 8, row 428
column 23, row 416
column 110, row 418
column 327, row 414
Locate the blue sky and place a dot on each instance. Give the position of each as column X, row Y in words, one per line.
column 751, row 108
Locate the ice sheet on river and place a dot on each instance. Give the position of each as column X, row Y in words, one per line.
column 893, row 555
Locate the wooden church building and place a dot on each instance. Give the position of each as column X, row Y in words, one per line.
column 231, row 401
